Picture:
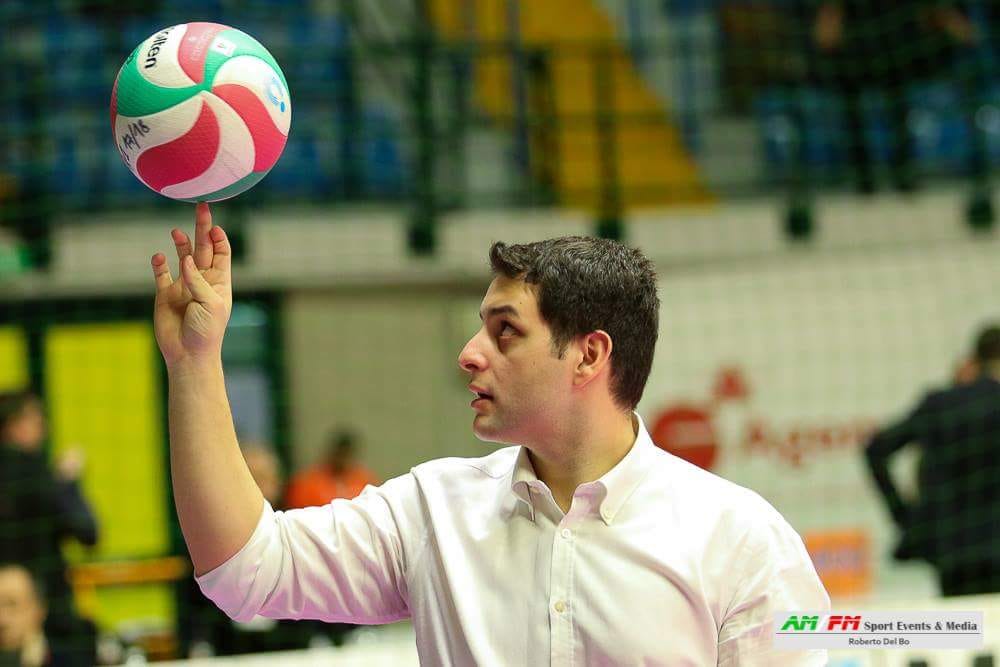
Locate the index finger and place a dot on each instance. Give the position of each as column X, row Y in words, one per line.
column 202, row 242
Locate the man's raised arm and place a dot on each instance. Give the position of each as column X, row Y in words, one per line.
column 218, row 503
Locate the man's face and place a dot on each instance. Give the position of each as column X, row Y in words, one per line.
column 511, row 361
column 26, row 430
column 21, row 613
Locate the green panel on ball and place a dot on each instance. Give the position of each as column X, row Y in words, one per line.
column 245, row 45
column 138, row 97
column 236, row 188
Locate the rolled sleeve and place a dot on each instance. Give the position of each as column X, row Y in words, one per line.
column 779, row 576
column 342, row 562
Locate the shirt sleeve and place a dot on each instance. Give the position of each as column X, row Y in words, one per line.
column 778, row 575
column 342, row 562
column 75, row 516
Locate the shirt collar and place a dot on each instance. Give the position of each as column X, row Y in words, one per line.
column 618, row 483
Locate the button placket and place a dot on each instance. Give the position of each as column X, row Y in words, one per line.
column 560, row 596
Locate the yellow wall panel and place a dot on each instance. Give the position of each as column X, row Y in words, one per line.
column 103, row 391
column 13, row 359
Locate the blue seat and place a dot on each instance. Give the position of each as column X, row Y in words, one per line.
column 76, row 47
column 381, row 156
column 297, row 171
column 821, row 116
column 940, row 131
column 320, row 55
column 190, row 11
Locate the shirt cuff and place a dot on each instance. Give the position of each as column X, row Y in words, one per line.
column 231, row 586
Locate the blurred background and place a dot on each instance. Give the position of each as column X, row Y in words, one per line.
column 811, row 178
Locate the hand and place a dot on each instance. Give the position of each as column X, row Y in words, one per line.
column 69, row 464
column 191, row 313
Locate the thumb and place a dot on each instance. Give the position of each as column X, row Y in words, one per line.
column 196, row 283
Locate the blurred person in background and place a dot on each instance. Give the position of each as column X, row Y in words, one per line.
column 886, row 46
column 539, row 551
column 338, row 475
column 39, row 508
column 953, row 522
column 22, row 620
column 205, row 631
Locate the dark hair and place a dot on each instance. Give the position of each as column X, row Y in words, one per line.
column 12, row 404
column 585, row 284
column 341, row 439
column 988, row 345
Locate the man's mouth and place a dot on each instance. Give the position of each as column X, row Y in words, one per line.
column 481, row 395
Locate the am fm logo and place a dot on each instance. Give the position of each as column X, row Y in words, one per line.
column 831, row 623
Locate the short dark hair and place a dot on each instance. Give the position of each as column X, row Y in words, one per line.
column 988, row 344
column 585, row 284
column 342, row 439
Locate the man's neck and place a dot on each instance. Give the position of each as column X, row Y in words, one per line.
column 583, row 456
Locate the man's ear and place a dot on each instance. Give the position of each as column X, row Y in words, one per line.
column 595, row 355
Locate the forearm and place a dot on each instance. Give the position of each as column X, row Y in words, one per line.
column 218, row 502
column 78, row 519
column 878, row 465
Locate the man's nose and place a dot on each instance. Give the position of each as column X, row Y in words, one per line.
column 471, row 359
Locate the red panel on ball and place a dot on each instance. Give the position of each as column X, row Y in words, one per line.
column 268, row 141
column 194, row 48
column 183, row 158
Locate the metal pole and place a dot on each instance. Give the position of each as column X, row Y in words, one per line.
column 522, row 144
column 348, row 107
column 422, row 230
column 609, row 222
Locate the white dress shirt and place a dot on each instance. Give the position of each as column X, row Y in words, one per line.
column 656, row 563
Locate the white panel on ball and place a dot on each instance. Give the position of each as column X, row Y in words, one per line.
column 157, row 58
column 233, row 161
column 256, row 75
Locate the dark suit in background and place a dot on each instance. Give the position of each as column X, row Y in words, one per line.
column 955, row 522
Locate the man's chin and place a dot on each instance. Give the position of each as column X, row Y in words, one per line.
column 484, row 429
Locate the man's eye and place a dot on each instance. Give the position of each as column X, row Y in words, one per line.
column 507, row 330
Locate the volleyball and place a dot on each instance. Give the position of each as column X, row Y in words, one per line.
column 200, row 112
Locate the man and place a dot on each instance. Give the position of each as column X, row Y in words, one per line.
column 39, row 508
column 887, row 45
column 954, row 521
column 338, row 475
column 22, row 619
column 585, row 545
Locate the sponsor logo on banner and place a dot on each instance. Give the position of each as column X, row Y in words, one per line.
column 797, row 630
column 689, row 429
column 842, row 559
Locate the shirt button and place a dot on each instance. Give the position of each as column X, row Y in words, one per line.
column 566, row 533
column 560, row 606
